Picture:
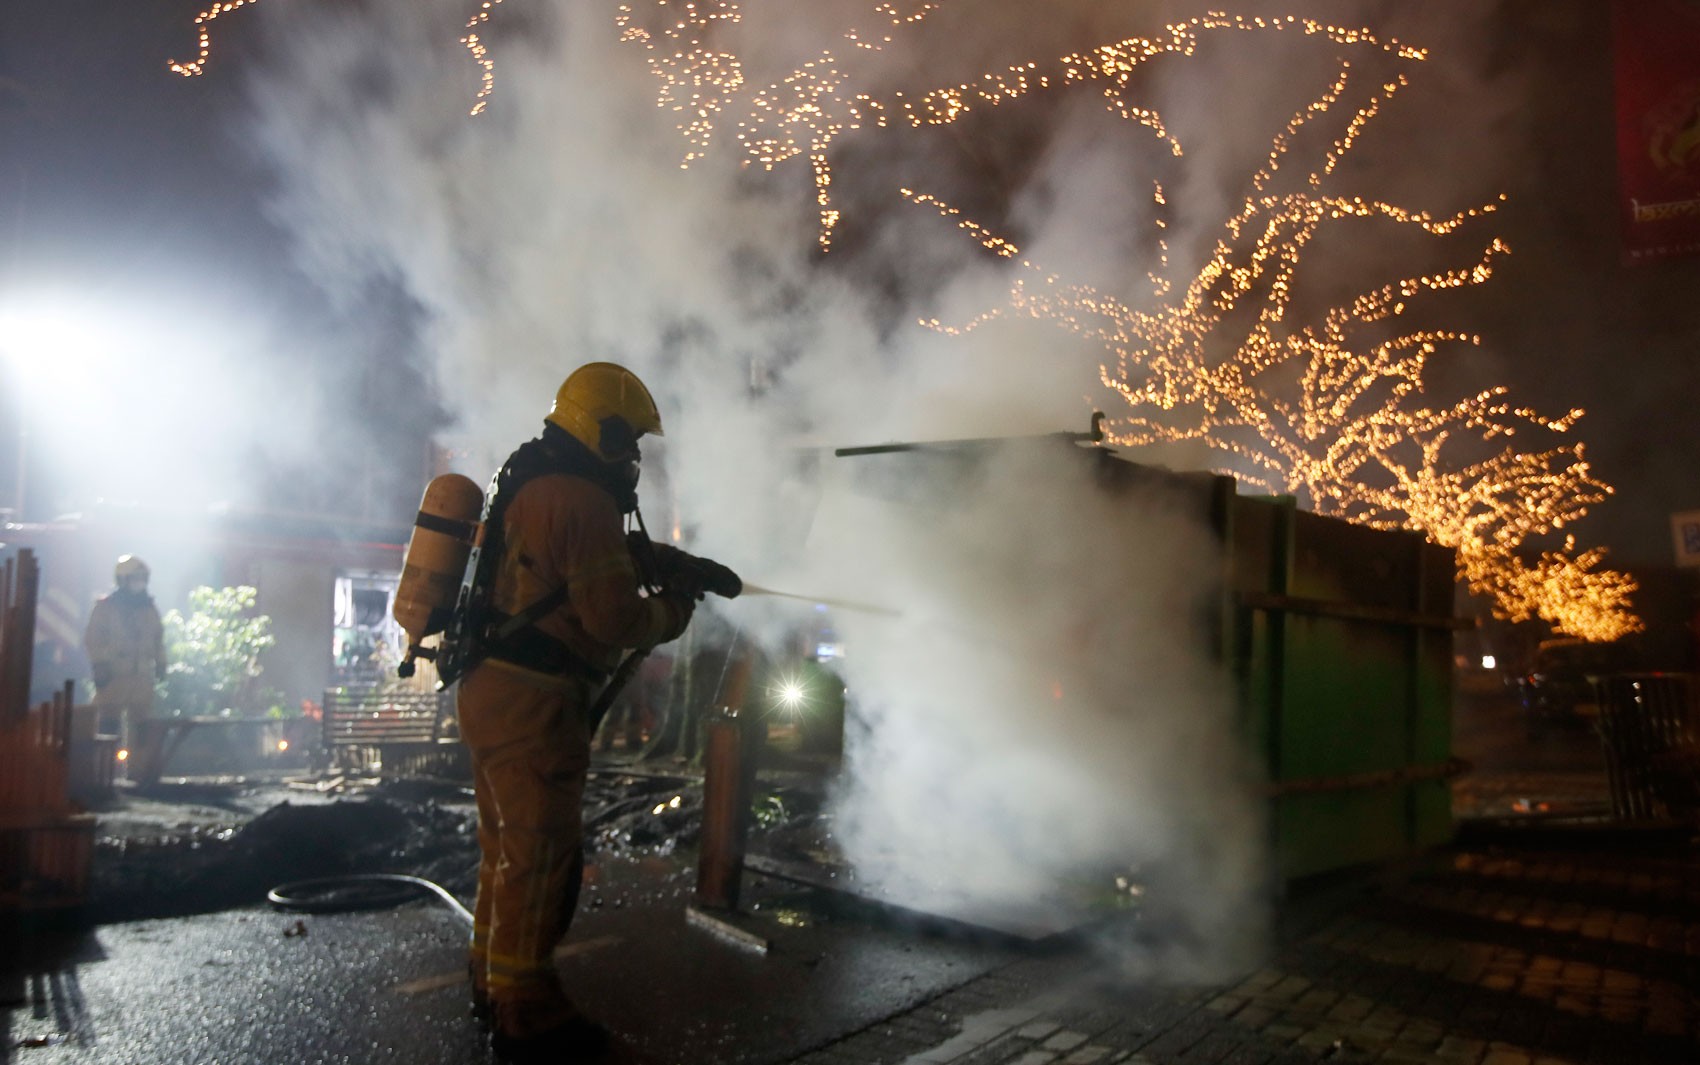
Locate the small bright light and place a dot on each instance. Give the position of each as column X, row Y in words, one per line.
column 788, row 694
column 283, row 745
column 123, row 756
column 1489, row 662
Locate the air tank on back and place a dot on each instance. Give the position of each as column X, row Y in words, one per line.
column 444, row 534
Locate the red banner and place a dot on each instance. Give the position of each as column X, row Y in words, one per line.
column 1658, row 126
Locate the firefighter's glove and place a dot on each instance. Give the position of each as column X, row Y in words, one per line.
column 719, row 579
column 679, row 610
column 674, row 571
column 692, row 575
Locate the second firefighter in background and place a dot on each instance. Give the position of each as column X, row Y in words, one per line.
column 556, row 513
column 125, row 641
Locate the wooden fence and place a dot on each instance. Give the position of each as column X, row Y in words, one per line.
column 45, row 844
column 392, row 733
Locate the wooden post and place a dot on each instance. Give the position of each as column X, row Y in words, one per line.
column 17, row 644
column 44, row 848
column 728, row 780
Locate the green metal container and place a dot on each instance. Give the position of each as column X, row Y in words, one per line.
column 1338, row 636
column 1341, row 638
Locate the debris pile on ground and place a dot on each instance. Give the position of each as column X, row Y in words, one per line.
column 790, row 821
column 214, row 867
column 635, row 815
column 221, row 847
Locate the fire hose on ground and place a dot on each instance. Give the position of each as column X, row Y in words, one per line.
column 376, row 891
column 360, row 891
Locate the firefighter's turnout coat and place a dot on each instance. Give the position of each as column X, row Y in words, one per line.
column 125, row 641
column 524, row 716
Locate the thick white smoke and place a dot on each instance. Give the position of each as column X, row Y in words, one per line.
column 1042, row 716
column 1044, row 709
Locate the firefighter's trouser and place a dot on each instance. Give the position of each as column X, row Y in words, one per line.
column 530, row 750
column 125, row 704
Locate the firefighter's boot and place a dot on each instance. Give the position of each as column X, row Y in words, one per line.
column 546, row 1030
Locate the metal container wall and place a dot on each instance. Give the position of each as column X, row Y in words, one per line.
column 1343, row 651
column 1338, row 636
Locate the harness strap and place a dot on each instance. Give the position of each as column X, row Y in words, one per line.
column 460, row 530
column 530, row 615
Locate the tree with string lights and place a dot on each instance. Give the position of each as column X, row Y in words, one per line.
column 1335, row 411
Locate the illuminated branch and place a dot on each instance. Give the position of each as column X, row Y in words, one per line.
column 803, row 114
column 1307, row 409
column 203, row 24
column 696, row 80
column 1300, row 407
column 474, row 44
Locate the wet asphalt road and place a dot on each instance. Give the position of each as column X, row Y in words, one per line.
column 250, row 985
column 233, row 987
column 253, row 986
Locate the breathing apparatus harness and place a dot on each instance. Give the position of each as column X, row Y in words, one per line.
column 478, row 630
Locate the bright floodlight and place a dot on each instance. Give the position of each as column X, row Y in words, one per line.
column 37, row 338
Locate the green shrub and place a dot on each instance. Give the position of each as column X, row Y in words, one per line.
column 214, row 655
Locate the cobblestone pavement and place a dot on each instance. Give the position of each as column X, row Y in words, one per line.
column 1574, row 793
column 1486, row 955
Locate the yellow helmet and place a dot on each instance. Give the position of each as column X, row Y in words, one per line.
column 129, row 566
column 606, row 408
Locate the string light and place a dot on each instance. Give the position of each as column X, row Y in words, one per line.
column 1314, row 412
column 990, row 242
column 805, row 112
column 897, row 20
column 480, row 53
column 1308, row 410
column 203, row 24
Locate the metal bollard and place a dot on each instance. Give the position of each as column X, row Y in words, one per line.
column 728, row 781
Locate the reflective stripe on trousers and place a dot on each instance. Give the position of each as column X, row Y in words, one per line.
column 530, row 750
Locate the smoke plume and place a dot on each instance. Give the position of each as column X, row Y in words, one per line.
column 1044, row 709
column 1040, row 726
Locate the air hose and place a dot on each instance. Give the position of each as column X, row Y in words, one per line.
column 359, row 891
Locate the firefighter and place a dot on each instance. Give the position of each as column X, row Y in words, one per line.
column 125, row 641
column 555, row 517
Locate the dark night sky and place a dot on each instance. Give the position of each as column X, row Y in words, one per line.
column 120, row 179
column 114, row 166
column 1583, row 329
